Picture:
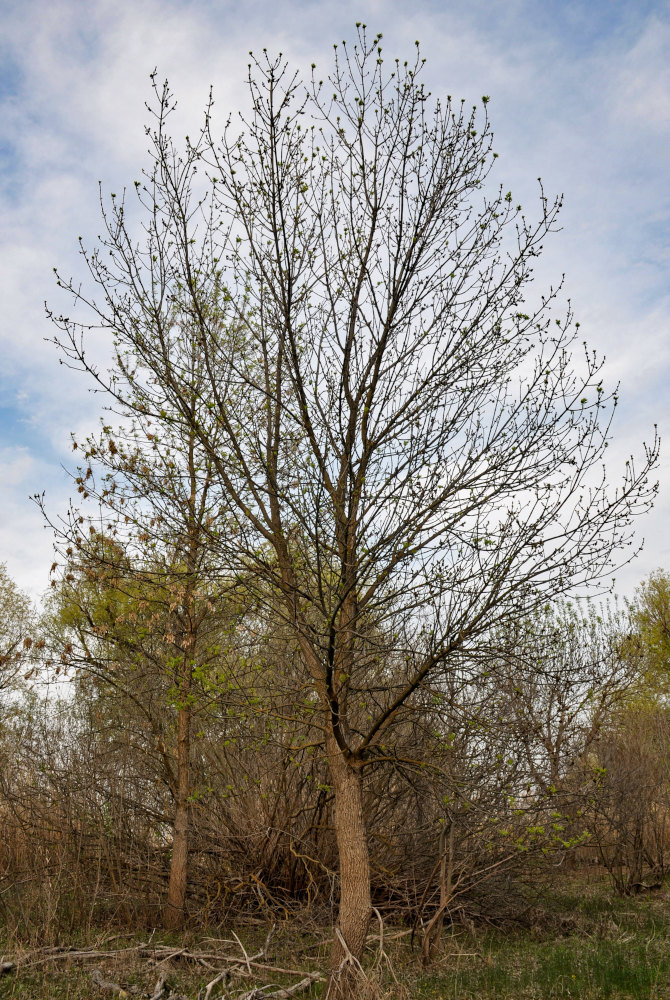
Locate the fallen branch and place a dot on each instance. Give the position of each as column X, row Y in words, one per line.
column 276, row 968
column 282, row 992
column 30, row 961
column 239, row 965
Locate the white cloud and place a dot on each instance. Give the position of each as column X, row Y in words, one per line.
column 24, row 543
column 644, row 79
column 590, row 117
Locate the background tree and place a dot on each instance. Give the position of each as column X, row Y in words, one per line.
column 17, row 621
column 565, row 672
column 411, row 454
column 651, row 623
column 139, row 605
column 629, row 801
column 627, row 768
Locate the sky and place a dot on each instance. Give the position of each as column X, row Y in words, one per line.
column 579, row 95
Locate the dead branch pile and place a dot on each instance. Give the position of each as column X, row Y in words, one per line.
column 225, row 967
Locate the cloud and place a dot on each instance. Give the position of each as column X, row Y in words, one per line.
column 24, row 543
column 644, row 79
column 580, row 95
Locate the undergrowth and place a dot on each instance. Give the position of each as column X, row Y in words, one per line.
column 580, row 942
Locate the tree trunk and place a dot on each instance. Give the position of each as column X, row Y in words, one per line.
column 355, row 902
column 431, row 937
column 176, row 897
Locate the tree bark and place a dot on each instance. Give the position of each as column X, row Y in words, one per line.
column 431, row 937
column 355, row 903
column 176, row 897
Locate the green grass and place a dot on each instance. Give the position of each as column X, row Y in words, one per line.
column 582, row 943
column 608, row 948
column 517, row 969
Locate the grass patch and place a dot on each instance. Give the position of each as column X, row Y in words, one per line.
column 596, row 946
column 585, row 944
column 589, row 970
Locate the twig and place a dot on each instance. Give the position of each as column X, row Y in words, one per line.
column 371, row 937
column 112, row 937
column 316, row 944
column 221, row 978
column 29, row 961
column 380, row 950
column 463, row 954
column 181, row 953
column 275, row 968
column 348, row 960
column 381, row 954
column 282, row 992
column 264, row 951
column 246, row 957
column 391, row 937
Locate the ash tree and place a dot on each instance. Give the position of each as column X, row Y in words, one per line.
column 408, row 445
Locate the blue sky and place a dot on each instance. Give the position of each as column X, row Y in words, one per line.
column 580, row 95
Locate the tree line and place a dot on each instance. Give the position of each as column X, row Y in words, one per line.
column 553, row 758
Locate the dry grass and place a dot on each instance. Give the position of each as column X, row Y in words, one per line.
column 581, row 943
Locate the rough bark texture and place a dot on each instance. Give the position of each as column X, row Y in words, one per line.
column 176, row 897
column 355, row 903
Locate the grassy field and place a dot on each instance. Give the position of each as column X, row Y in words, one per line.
column 583, row 943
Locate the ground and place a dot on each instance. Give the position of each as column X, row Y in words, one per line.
column 581, row 942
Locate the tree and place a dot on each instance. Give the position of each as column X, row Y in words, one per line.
column 628, row 770
column 651, row 621
column 630, row 795
column 564, row 673
column 408, row 450
column 136, row 598
column 16, row 624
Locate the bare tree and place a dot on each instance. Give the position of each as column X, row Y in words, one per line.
column 564, row 672
column 407, row 449
column 629, row 801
